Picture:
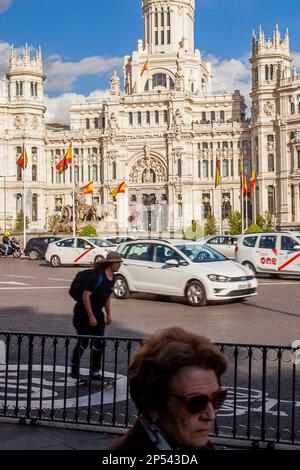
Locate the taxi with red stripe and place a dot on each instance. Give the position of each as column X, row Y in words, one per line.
column 77, row 251
column 271, row 253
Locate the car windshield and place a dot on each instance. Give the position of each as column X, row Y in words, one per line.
column 199, row 253
column 101, row 243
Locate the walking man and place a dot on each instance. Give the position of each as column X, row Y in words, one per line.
column 93, row 312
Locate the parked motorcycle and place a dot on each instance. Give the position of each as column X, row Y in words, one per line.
column 14, row 249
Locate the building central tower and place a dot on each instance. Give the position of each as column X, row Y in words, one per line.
column 169, row 23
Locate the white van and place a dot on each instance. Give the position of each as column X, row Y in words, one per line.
column 272, row 253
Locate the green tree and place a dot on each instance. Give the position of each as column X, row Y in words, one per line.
column 210, row 227
column 194, row 232
column 266, row 221
column 235, row 223
column 88, row 231
column 254, row 228
column 19, row 227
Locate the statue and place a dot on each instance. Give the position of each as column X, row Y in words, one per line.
column 115, row 84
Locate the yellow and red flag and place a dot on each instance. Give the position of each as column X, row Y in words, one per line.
column 88, row 188
column 66, row 161
column 218, row 174
column 253, row 181
column 119, row 190
column 22, row 161
column 145, row 68
column 69, row 155
column 245, row 188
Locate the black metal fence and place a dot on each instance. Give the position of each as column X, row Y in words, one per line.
column 35, row 384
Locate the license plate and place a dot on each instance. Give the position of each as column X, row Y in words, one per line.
column 244, row 286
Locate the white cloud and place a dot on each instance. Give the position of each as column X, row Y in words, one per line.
column 5, row 4
column 231, row 74
column 4, row 56
column 62, row 75
column 296, row 57
column 58, row 107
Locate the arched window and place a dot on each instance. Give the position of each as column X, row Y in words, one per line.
column 225, row 168
column 17, row 89
column 271, row 72
column 267, row 72
column 226, row 209
column 19, row 203
column 32, row 88
column 222, row 116
column 271, row 199
column 36, row 89
column 166, row 117
column 114, row 171
column 205, row 145
column 271, row 162
column 147, row 86
column 139, row 118
column 213, row 116
column 130, row 119
column 76, row 174
column 159, row 79
column 87, row 123
column 179, row 167
column 156, row 117
column 206, row 205
column 58, row 177
column 95, row 173
column 34, row 208
column 34, row 173
column 148, row 117
column 172, row 84
column 203, row 85
column 225, row 144
column 205, row 168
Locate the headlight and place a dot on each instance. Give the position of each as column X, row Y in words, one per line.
column 218, row 278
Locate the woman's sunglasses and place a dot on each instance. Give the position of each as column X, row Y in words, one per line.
column 197, row 402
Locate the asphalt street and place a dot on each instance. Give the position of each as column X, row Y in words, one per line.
column 34, row 299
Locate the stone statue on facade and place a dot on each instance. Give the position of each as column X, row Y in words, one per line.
column 179, row 79
column 115, row 84
column 113, row 126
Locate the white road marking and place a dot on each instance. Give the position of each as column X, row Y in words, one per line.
column 33, row 288
column 24, row 277
column 55, row 279
column 12, row 283
column 279, row 283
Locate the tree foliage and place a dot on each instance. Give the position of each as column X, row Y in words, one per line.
column 235, row 223
column 88, row 231
column 210, row 227
column 19, row 227
column 254, row 228
column 266, row 221
column 194, row 232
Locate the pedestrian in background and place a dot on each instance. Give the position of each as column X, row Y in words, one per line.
column 93, row 312
column 174, row 380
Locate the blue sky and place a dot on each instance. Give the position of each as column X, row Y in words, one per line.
column 84, row 41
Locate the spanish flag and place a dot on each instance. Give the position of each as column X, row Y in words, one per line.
column 253, row 181
column 69, row 156
column 218, row 174
column 88, row 188
column 245, row 184
column 66, row 161
column 119, row 190
column 22, row 161
column 145, row 68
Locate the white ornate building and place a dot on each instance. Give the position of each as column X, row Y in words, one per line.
column 163, row 134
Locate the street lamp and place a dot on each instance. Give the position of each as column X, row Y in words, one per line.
column 5, row 187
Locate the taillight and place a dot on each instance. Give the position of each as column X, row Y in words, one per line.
column 236, row 249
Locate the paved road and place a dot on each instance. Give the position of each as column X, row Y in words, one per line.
column 34, row 298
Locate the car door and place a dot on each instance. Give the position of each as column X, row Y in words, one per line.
column 167, row 279
column 224, row 245
column 136, row 266
column 266, row 252
column 288, row 256
column 64, row 249
column 84, row 252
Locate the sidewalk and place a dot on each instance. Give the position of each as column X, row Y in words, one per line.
column 27, row 437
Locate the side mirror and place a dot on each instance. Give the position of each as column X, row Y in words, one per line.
column 297, row 247
column 174, row 263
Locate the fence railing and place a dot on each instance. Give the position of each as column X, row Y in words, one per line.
column 263, row 403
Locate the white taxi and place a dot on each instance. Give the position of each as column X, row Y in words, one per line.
column 77, row 251
column 181, row 268
column 271, row 253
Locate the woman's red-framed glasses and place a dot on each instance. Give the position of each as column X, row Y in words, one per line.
column 197, row 402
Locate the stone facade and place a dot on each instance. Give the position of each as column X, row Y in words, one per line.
column 162, row 134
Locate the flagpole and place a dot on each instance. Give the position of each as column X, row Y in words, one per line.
column 73, row 192
column 221, row 215
column 24, row 196
column 242, row 195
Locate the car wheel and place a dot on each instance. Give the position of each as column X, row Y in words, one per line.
column 99, row 259
column 195, row 294
column 250, row 266
column 55, row 261
column 121, row 289
column 34, row 255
